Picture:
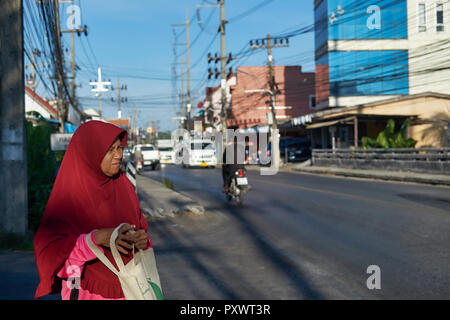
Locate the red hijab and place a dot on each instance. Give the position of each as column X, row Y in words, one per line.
column 83, row 199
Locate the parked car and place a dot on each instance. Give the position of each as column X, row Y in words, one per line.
column 125, row 159
column 292, row 149
column 150, row 156
column 297, row 150
column 126, row 156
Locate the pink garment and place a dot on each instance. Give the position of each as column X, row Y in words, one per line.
column 73, row 268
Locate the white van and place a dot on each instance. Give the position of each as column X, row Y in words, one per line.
column 201, row 153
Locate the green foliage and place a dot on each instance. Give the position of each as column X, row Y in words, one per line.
column 41, row 167
column 10, row 241
column 388, row 138
column 165, row 135
column 168, row 184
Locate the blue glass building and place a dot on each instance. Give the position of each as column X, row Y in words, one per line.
column 349, row 61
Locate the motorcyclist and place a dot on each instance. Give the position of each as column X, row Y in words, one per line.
column 138, row 157
column 230, row 166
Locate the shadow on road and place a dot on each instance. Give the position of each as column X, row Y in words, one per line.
column 206, row 265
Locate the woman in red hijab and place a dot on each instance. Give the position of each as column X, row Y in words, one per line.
column 90, row 198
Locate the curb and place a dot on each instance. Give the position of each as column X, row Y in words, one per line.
column 157, row 201
column 383, row 175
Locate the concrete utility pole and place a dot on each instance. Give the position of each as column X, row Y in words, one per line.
column 182, row 114
column 267, row 44
column 119, row 113
column 183, row 109
column 32, row 80
column 134, row 124
column 188, row 74
column 59, row 72
column 13, row 161
column 187, row 107
column 119, row 98
column 223, row 75
column 59, row 66
column 72, row 59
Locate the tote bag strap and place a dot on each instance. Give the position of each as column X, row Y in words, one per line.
column 100, row 255
column 114, row 251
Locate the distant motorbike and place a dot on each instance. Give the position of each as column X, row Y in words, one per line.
column 239, row 186
column 139, row 167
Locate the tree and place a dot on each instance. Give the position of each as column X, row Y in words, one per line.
column 42, row 166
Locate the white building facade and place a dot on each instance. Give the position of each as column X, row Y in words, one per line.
column 213, row 103
column 35, row 104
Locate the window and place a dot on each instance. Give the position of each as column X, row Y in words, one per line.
column 422, row 18
column 448, row 132
column 312, row 101
column 360, row 73
column 201, row 146
column 439, row 17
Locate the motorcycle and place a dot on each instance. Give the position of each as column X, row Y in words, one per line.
column 139, row 167
column 239, row 186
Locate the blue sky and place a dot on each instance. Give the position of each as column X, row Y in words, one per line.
column 134, row 40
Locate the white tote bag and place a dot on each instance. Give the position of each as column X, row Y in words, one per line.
column 139, row 278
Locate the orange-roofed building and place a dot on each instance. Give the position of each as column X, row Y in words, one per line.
column 250, row 106
column 123, row 123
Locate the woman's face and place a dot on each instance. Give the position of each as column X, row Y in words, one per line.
column 111, row 162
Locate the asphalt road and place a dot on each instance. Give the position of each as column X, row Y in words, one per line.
column 301, row 236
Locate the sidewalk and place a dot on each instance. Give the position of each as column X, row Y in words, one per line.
column 158, row 201
column 403, row 176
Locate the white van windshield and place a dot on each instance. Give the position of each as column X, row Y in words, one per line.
column 201, row 146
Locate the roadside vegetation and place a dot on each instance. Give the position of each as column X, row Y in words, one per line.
column 389, row 138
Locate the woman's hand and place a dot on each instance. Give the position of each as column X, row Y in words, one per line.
column 141, row 239
column 124, row 241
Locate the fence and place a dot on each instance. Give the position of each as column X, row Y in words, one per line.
column 426, row 160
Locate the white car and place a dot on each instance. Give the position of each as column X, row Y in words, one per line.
column 150, row 155
column 167, row 155
column 201, row 153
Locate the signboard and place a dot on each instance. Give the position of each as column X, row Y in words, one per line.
column 60, row 141
column 374, row 19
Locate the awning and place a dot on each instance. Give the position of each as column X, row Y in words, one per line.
column 363, row 117
column 327, row 123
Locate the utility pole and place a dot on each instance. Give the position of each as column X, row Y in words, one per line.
column 188, row 74
column 182, row 113
column 31, row 80
column 183, row 110
column 223, row 73
column 223, row 76
column 119, row 113
column 13, row 156
column 134, row 124
column 119, row 98
column 72, row 58
column 59, row 71
column 187, row 107
column 267, row 44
